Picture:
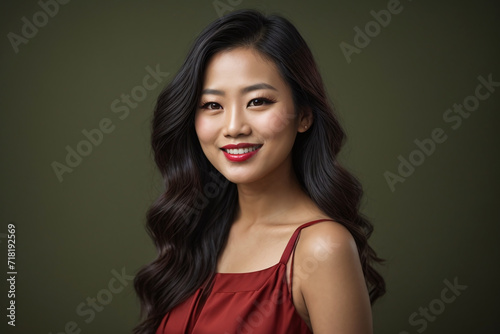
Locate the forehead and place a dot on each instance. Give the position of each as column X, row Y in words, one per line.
column 240, row 67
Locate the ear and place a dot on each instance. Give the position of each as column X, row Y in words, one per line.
column 305, row 119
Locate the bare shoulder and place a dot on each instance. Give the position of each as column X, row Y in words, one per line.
column 326, row 239
column 330, row 281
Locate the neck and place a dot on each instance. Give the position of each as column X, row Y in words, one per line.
column 271, row 198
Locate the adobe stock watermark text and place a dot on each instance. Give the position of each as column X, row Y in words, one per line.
column 453, row 116
column 94, row 137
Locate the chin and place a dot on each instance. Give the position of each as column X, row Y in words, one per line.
column 239, row 178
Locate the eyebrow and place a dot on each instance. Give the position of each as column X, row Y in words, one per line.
column 244, row 90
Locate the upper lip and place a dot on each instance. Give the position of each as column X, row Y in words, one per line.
column 240, row 145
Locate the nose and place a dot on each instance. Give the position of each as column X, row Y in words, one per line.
column 235, row 122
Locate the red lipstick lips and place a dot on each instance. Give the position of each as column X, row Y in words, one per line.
column 236, row 148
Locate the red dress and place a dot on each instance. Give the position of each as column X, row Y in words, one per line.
column 258, row 302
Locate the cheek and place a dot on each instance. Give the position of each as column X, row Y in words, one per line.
column 205, row 129
column 278, row 122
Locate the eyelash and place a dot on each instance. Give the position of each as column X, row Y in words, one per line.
column 265, row 100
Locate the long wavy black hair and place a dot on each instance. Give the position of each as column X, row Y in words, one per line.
column 189, row 223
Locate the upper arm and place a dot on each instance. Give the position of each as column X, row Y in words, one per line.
column 333, row 287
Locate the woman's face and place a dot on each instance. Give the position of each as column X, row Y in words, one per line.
column 245, row 101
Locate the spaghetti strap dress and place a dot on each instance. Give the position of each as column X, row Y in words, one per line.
column 258, row 302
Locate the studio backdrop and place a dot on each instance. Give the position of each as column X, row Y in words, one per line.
column 416, row 85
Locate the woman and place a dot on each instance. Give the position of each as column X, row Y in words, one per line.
column 247, row 143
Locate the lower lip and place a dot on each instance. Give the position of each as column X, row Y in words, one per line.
column 240, row 157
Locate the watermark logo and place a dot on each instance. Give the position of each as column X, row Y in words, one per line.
column 94, row 137
column 30, row 28
column 89, row 308
column 372, row 29
column 436, row 307
column 211, row 189
column 427, row 146
column 225, row 6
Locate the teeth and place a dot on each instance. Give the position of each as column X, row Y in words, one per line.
column 241, row 150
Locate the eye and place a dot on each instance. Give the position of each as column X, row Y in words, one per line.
column 211, row 106
column 260, row 102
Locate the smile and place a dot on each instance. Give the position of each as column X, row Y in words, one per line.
column 241, row 150
column 241, row 154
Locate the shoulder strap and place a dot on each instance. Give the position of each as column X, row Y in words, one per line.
column 293, row 240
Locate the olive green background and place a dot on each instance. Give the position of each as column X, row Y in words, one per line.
column 441, row 223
